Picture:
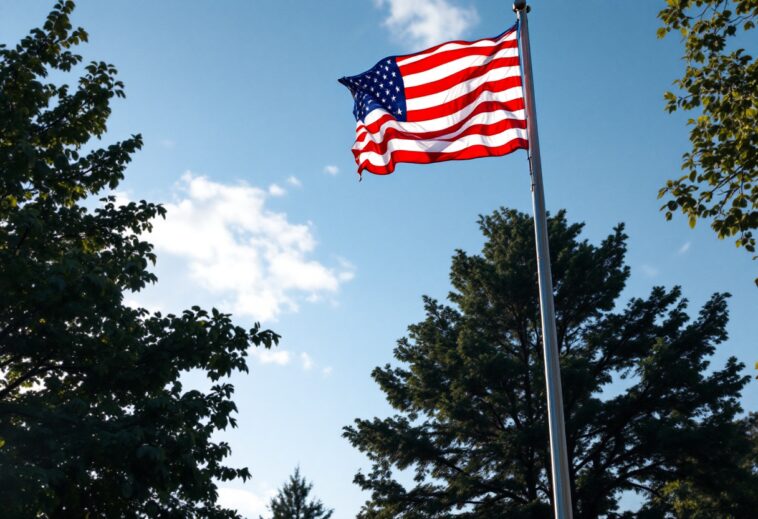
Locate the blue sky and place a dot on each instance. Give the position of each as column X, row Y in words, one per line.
column 247, row 141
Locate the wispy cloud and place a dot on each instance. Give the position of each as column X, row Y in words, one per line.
column 247, row 502
column 684, row 248
column 243, row 252
column 286, row 358
column 168, row 144
column 306, row 361
column 649, row 270
column 275, row 356
column 331, row 170
column 294, row 181
column 276, row 190
column 346, row 270
column 427, row 22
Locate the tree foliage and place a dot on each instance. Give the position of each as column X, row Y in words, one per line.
column 720, row 85
column 291, row 502
column 94, row 420
column 644, row 411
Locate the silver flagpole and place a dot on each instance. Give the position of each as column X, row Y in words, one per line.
column 558, row 451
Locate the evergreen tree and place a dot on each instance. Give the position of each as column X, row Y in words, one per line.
column 644, row 412
column 94, row 421
column 291, row 502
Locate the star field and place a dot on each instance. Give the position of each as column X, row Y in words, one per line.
column 379, row 87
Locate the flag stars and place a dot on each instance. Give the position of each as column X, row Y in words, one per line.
column 378, row 89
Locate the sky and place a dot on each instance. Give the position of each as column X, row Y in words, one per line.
column 247, row 143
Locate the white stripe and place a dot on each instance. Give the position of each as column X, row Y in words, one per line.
column 486, row 118
column 460, row 89
column 434, row 146
column 451, row 67
column 453, row 45
column 433, row 125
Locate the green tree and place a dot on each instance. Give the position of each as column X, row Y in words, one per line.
column 642, row 407
column 720, row 85
column 291, row 502
column 94, row 421
column 681, row 497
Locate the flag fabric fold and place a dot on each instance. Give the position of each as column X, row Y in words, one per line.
column 458, row 100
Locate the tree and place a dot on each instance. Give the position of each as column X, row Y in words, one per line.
column 94, row 420
column 291, row 502
column 720, row 84
column 686, row 501
column 642, row 407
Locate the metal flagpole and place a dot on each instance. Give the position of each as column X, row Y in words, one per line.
column 558, row 451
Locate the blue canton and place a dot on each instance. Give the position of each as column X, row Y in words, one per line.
column 379, row 87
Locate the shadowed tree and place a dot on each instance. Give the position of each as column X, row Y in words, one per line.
column 94, row 420
column 644, row 412
column 291, row 502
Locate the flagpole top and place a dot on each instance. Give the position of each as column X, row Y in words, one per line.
column 520, row 5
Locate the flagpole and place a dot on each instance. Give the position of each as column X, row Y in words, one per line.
column 558, row 451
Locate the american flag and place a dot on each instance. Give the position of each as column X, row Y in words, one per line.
column 458, row 100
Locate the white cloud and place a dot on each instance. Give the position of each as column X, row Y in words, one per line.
column 278, row 357
column 294, row 181
column 347, row 270
column 247, row 503
column 684, row 248
column 331, row 170
column 253, row 258
column 168, row 144
column 136, row 305
column 649, row 270
column 121, row 198
column 307, row 361
column 276, row 190
column 427, row 22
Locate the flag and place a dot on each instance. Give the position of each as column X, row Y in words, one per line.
column 458, row 100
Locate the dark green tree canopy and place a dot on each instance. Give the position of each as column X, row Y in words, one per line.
column 469, row 392
column 291, row 502
column 94, row 421
column 720, row 85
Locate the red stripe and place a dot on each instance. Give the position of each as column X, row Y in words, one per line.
column 374, row 127
column 490, row 106
column 476, row 129
column 420, row 157
column 450, row 81
column 455, row 105
column 459, row 42
column 435, row 60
